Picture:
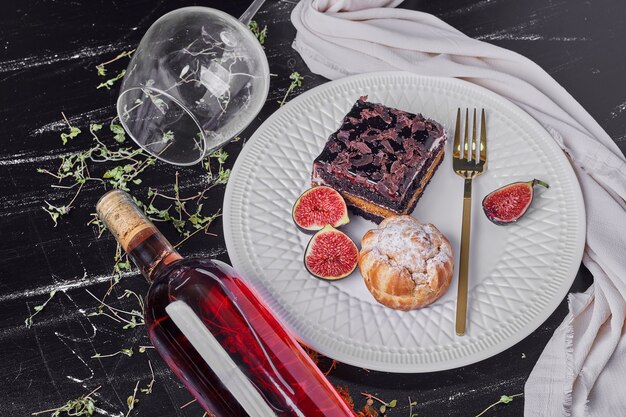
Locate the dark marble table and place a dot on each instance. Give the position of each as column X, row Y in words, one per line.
column 48, row 53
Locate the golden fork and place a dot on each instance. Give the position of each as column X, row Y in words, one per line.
column 468, row 162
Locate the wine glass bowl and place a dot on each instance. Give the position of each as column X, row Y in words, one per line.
column 196, row 80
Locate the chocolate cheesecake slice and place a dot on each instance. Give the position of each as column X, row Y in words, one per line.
column 380, row 159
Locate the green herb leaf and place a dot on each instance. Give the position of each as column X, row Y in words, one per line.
column 74, row 131
column 260, row 34
column 100, row 68
column 296, row 79
column 55, row 212
column 296, row 82
column 131, row 401
column 82, row 406
column 505, row 399
column 109, row 83
column 167, row 136
column 120, row 133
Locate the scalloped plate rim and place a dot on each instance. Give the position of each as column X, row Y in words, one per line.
column 401, row 366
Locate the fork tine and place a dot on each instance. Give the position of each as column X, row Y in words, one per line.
column 472, row 154
column 465, row 152
column 483, row 138
column 456, row 147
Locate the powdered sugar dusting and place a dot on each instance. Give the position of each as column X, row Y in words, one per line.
column 407, row 244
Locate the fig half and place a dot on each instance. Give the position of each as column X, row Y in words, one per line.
column 319, row 206
column 330, row 254
column 509, row 203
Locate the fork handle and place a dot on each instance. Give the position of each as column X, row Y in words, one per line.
column 461, row 300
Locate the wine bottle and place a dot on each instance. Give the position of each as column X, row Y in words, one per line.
column 215, row 332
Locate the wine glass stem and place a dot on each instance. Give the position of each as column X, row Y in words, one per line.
column 247, row 16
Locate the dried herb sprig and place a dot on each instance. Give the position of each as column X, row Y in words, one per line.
column 148, row 389
column 128, row 352
column 188, row 218
column 109, row 83
column 390, row 404
column 188, row 403
column 102, row 71
column 411, row 405
column 101, row 68
column 505, row 399
column 29, row 319
column 73, row 131
column 296, row 82
column 84, row 405
column 256, row 30
column 74, row 172
column 131, row 319
column 132, row 400
column 369, row 410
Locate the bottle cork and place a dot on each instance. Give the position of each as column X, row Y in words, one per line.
column 124, row 219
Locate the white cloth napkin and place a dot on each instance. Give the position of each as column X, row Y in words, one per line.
column 582, row 370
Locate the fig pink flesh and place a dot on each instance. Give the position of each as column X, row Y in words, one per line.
column 318, row 207
column 331, row 254
column 509, row 203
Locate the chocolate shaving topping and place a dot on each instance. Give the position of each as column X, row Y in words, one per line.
column 380, row 159
column 344, row 137
column 361, row 147
column 379, row 147
column 368, row 113
column 415, row 158
column 333, row 146
column 362, row 161
column 418, row 124
column 342, row 160
column 395, row 167
column 408, row 154
column 402, row 121
column 385, row 143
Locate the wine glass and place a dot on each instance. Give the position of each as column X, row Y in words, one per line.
column 197, row 79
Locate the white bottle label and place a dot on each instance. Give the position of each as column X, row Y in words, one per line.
column 218, row 360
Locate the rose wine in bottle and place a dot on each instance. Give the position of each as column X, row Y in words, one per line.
column 215, row 332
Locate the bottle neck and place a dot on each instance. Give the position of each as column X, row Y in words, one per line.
column 136, row 234
column 151, row 252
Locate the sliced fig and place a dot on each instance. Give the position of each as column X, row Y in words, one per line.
column 319, row 206
column 330, row 254
column 508, row 204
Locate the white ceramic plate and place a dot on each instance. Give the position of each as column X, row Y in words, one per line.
column 518, row 273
